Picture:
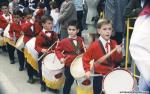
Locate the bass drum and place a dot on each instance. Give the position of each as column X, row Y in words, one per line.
column 52, row 71
column 20, row 44
column 118, row 81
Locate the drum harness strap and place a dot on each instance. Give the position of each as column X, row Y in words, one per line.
column 104, row 52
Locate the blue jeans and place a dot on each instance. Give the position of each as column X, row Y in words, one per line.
column 143, row 84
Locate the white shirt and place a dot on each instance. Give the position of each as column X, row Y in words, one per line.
column 74, row 41
column 104, row 44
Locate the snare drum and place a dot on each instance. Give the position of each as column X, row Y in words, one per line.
column 84, row 86
column 52, row 71
column 31, row 54
column 1, row 41
column 76, row 68
column 20, row 44
column 118, row 81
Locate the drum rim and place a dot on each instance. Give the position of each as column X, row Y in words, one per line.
column 104, row 77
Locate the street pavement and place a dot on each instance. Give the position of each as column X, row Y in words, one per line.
column 13, row 81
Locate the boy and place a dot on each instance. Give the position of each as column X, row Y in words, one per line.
column 5, row 18
column 98, row 49
column 71, row 48
column 44, row 40
column 15, row 33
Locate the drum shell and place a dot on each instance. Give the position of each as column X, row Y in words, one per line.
column 20, row 44
column 1, row 41
column 84, row 89
column 50, row 68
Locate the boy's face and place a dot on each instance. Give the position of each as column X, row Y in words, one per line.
column 5, row 9
column 105, row 31
column 17, row 18
column 28, row 17
column 72, row 31
column 48, row 25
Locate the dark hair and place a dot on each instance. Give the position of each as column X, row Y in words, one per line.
column 4, row 4
column 17, row 12
column 53, row 4
column 73, row 23
column 41, row 5
column 27, row 11
column 147, row 2
column 45, row 18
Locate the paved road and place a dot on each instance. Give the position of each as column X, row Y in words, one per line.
column 13, row 81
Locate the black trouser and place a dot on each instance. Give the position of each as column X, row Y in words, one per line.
column 11, row 50
column 68, row 81
column 97, row 84
column 4, row 48
column 40, row 69
column 30, row 71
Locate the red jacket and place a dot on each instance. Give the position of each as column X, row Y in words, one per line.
column 28, row 34
column 44, row 42
column 3, row 22
column 94, row 52
column 15, row 28
column 68, row 50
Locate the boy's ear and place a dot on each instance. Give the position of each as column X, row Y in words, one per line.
column 42, row 24
column 98, row 31
column 78, row 30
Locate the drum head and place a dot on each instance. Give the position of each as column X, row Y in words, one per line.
column 52, row 62
column 76, row 68
column 118, row 81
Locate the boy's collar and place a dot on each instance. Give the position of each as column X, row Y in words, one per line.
column 73, row 37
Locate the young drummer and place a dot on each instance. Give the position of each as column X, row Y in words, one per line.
column 30, row 27
column 15, row 33
column 98, row 49
column 44, row 40
column 71, row 48
column 5, row 18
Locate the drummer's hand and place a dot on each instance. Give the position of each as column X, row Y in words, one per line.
column 44, row 50
column 87, row 74
column 62, row 60
column 119, row 48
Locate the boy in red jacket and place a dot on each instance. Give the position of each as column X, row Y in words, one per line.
column 15, row 33
column 5, row 18
column 71, row 48
column 44, row 40
column 98, row 49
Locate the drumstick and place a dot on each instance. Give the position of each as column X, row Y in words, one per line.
column 95, row 75
column 100, row 60
column 84, row 47
column 48, row 50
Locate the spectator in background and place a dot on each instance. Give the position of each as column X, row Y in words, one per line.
column 92, row 18
column 79, row 8
column 133, row 8
column 140, row 46
column 55, row 15
column 114, row 11
column 67, row 13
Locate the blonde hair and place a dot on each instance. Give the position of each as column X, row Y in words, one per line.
column 103, row 22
